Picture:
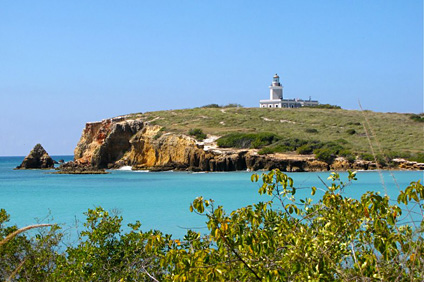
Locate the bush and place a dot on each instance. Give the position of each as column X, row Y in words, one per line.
column 395, row 155
column 419, row 117
column 276, row 149
column 381, row 160
column 367, row 157
column 334, row 147
column 211, row 106
column 233, row 105
column 330, row 238
column 305, row 149
column 353, row 123
column 325, row 155
column 197, row 133
column 351, row 131
column 311, row 130
column 325, row 106
column 350, row 158
column 300, row 146
column 290, row 144
column 274, row 144
column 344, row 152
column 341, row 141
column 418, row 157
column 247, row 140
column 266, row 151
column 264, row 139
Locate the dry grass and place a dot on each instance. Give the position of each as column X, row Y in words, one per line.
column 395, row 131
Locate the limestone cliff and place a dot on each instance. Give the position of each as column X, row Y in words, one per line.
column 117, row 142
column 113, row 143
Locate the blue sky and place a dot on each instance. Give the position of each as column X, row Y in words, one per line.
column 66, row 63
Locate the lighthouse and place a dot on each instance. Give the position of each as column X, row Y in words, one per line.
column 276, row 90
column 276, row 98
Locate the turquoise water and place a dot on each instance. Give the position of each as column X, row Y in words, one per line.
column 160, row 200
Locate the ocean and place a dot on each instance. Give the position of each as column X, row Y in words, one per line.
column 159, row 200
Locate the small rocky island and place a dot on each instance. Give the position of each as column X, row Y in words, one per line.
column 38, row 158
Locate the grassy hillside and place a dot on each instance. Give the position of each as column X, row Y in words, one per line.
column 393, row 131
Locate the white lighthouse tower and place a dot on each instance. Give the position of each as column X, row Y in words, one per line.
column 276, row 98
column 275, row 94
column 276, row 90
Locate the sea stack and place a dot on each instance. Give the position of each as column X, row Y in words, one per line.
column 37, row 159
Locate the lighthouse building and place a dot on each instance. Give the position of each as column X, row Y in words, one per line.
column 276, row 98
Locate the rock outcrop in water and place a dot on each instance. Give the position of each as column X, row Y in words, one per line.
column 118, row 142
column 37, row 159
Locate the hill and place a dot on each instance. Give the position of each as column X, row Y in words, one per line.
column 235, row 138
column 396, row 134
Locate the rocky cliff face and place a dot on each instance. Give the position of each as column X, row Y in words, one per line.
column 37, row 159
column 103, row 143
column 113, row 143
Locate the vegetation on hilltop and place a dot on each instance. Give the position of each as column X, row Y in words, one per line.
column 419, row 118
column 325, row 106
column 397, row 135
column 336, row 238
column 231, row 105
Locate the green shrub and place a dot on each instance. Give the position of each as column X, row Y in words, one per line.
column 325, row 106
column 325, row 155
column 230, row 105
column 197, row 133
column 367, row 157
column 266, row 151
column 247, row 140
column 233, row 105
column 395, row 155
column 328, row 152
column 211, row 106
column 380, row 158
column 334, row 147
column 264, row 139
column 274, row 143
column 351, row 131
column 235, row 140
column 419, row 117
column 305, row 149
column 331, row 237
column 341, row 141
column 350, row 158
column 311, row 130
column 344, row 152
column 418, row 157
column 353, row 123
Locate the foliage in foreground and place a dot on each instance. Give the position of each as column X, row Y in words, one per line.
column 285, row 239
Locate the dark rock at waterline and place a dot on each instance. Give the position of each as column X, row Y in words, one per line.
column 78, row 168
column 37, row 159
